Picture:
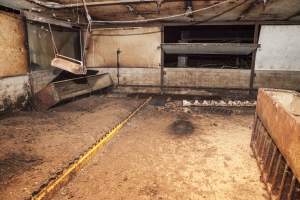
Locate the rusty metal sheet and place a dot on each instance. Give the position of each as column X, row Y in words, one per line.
column 61, row 90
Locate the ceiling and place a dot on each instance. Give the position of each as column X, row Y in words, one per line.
column 219, row 10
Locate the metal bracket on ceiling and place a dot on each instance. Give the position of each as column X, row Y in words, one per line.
column 189, row 7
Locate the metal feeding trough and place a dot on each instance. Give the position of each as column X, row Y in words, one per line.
column 68, row 64
column 275, row 142
column 58, row 91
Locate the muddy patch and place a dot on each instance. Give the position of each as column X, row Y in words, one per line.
column 15, row 164
column 181, row 127
column 150, row 191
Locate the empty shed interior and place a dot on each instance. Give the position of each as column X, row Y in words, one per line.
column 149, row 99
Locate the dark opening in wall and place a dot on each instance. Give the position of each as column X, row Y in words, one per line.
column 209, row 46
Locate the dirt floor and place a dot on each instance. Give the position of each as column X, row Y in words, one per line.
column 173, row 154
column 35, row 146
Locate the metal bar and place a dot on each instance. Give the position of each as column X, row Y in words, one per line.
column 292, row 188
column 188, row 4
column 96, row 3
column 255, row 42
column 282, row 184
column 269, row 155
column 257, row 131
column 296, row 193
column 209, row 48
column 259, row 138
column 70, row 59
column 26, row 43
column 187, row 87
column 286, row 182
column 39, row 18
column 204, row 23
column 254, row 132
column 261, row 145
column 162, row 62
column 118, row 66
column 277, row 176
column 266, row 149
column 272, row 166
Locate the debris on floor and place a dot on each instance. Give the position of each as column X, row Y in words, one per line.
column 199, row 107
column 229, row 103
column 167, row 155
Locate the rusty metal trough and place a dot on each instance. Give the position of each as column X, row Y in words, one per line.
column 276, row 142
column 56, row 92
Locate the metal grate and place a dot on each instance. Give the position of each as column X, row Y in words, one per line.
column 275, row 172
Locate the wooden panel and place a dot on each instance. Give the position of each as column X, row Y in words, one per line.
column 139, row 47
column 13, row 54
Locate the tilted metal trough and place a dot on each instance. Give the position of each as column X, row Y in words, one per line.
column 56, row 92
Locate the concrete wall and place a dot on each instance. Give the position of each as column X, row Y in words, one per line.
column 277, row 79
column 14, row 81
column 139, row 47
column 14, row 92
column 280, row 48
column 212, row 78
column 203, row 78
column 140, row 53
